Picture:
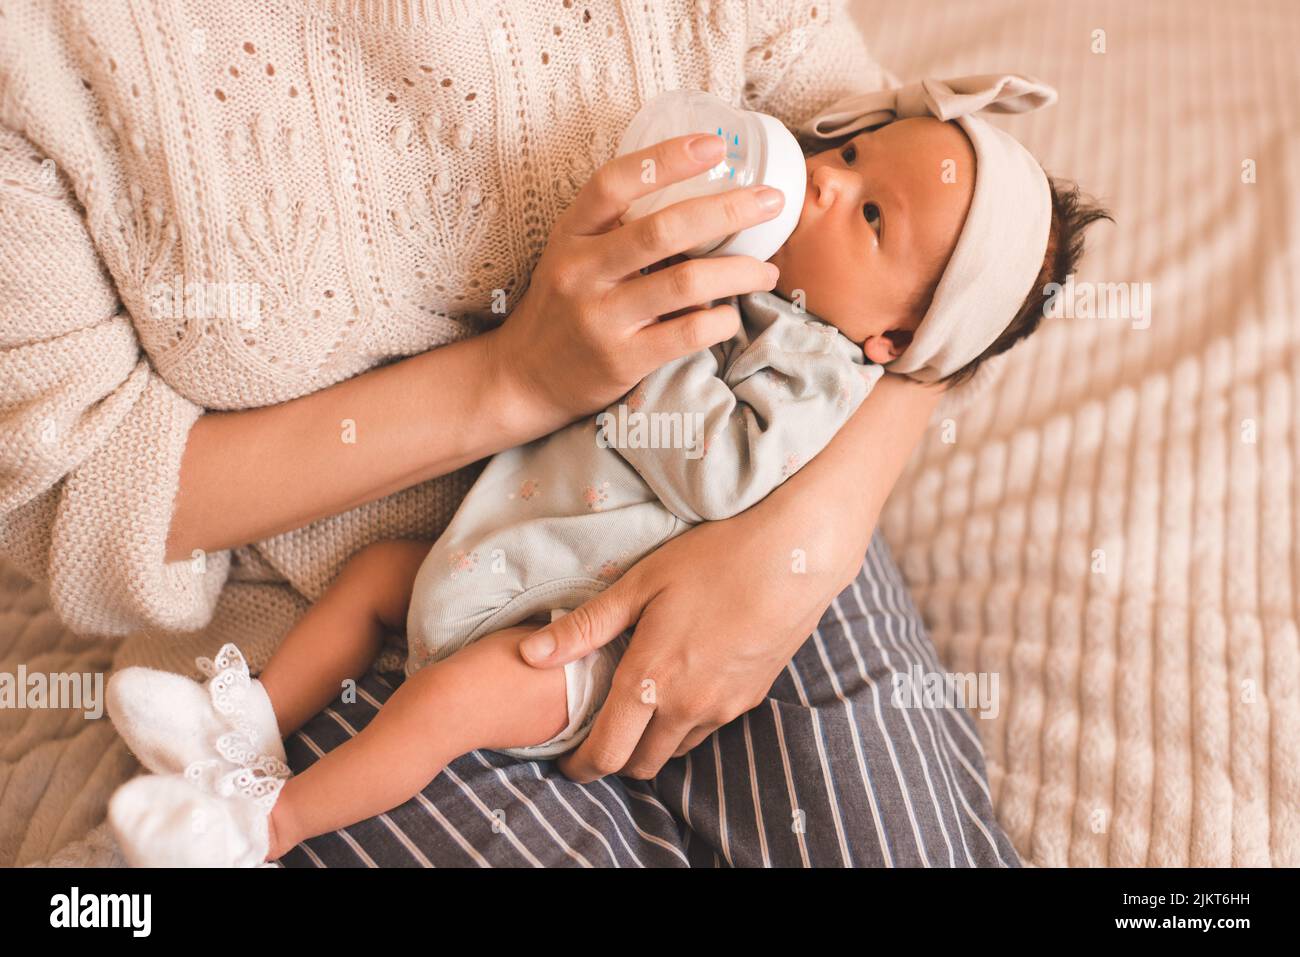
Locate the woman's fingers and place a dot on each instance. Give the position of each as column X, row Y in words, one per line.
column 690, row 283
column 594, row 623
column 618, row 727
column 695, row 739
column 659, row 742
column 683, row 226
column 673, row 338
column 612, row 188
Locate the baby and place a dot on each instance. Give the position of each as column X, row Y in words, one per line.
column 921, row 245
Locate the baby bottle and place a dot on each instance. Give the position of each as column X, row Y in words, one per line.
column 760, row 151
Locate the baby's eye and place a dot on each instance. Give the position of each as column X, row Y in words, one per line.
column 849, row 154
column 871, row 213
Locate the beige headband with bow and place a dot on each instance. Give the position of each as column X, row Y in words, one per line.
column 1004, row 239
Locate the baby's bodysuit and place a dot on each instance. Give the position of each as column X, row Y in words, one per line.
column 552, row 523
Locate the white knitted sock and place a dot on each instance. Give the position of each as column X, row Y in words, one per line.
column 167, row 821
column 169, row 721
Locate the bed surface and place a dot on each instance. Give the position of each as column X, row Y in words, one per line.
column 1151, row 714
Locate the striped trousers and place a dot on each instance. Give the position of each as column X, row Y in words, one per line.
column 826, row 772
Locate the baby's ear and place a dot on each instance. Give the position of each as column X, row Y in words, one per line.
column 886, row 348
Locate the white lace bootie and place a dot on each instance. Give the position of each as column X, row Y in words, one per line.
column 171, row 820
column 169, row 721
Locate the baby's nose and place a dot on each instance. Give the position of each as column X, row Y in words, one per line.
column 828, row 183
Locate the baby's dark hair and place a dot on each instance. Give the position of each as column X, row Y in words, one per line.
column 1072, row 213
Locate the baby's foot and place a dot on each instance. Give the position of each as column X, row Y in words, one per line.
column 171, row 821
column 170, row 722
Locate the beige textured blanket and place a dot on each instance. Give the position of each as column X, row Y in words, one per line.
column 1114, row 528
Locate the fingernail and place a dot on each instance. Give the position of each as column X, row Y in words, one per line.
column 706, row 146
column 773, row 273
column 769, row 199
column 538, row 647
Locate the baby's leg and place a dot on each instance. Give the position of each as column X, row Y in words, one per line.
column 339, row 636
column 483, row 696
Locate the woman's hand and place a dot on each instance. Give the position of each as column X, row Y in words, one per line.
column 588, row 328
column 721, row 609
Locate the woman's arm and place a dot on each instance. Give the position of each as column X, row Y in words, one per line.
column 249, row 475
column 720, row 610
column 585, row 332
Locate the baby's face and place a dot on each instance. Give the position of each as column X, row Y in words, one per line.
column 881, row 217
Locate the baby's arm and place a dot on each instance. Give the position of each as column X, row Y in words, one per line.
column 770, row 410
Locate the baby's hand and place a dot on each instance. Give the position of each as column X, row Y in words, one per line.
column 587, row 330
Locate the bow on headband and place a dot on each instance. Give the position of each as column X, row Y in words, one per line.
column 1004, row 239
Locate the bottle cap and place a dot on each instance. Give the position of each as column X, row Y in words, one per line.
column 760, row 150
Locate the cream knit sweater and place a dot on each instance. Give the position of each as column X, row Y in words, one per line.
column 373, row 169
